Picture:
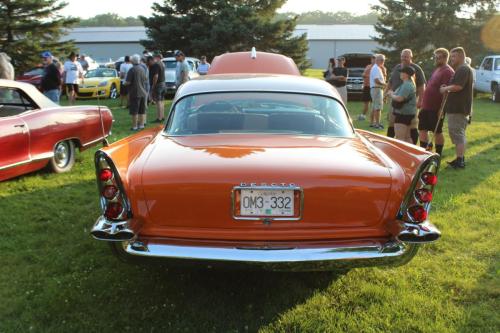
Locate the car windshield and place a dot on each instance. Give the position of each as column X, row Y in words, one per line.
column 258, row 112
column 101, row 72
column 34, row 71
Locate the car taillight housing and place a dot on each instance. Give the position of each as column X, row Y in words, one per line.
column 417, row 203
column 114, row 202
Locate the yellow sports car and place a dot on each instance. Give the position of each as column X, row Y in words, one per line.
column 100, row 82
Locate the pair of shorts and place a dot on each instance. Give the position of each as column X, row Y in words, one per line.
column 72, row 87
column 137, row 105
column 159, row 92
column 377, row 95
column 457, row 123
column 391, row 117
column 123, row 89
column 427, row 120
column 404, row 119
column 366, row 94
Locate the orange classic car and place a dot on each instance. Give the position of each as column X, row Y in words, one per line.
column 265, row 170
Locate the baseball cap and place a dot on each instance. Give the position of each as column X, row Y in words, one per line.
column 408, row 70
column 46, row 54
column 178, row 53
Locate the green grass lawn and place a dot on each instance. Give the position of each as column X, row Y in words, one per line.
column 55, row 278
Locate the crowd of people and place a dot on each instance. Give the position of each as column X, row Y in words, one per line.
column 417, row 106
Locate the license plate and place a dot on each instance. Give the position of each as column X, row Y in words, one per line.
column 267, row 202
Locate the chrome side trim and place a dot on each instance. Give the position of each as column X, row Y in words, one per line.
column 38, row 158
column 325, row 258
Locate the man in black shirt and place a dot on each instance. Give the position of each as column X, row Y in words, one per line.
column 459, row 104
column 51, row 79
column 157, row 84
column 339, row 78
column 394, row 83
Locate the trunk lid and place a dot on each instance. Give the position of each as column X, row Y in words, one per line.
column 187, row 181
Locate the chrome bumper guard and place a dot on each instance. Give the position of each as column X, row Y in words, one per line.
column 111, row 231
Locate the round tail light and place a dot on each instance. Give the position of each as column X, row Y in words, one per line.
column 109, row 191
column 105, row 175
column 417, row 213
column 113, row 210
column 429, row 178
column 423, row 195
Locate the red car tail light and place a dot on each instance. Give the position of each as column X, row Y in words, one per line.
column 105, row 175
column 417, row 213
column 109, row 191
column 113, row 210
column 429, row 178
column 423, row 195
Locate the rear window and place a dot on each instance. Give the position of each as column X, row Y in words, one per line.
column 170, row 64
column 266, row 113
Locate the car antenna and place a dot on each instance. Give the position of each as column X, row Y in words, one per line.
column 104, row 140
column 253, row 53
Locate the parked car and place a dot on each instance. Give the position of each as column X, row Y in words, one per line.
column 32, row 76
column 35, row 132
column 170, row 77
column 100, row 82
column 266, row 170
column 488, row 77
column 356, row 63
column 105, row 62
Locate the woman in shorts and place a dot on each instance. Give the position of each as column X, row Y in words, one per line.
column 404, row 103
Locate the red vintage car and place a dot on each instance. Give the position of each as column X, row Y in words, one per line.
column 267, row 170
column 35, row 132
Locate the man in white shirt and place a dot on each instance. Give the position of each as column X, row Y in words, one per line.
column 72, row 73
column 377, row 84
column 124, row 68
column 204, row 66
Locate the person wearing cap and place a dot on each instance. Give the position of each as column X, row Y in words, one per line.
column 404, row 104
column 429, row 114
column 338, row 78
column 73, row 72
column 394, row 83
column 204, row 66
column 157, row 82
column 182, row 69
column 51, row 78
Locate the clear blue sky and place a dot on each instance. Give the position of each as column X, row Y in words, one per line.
column 89, row 8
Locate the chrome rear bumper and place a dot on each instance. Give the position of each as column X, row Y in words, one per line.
column 289, row 259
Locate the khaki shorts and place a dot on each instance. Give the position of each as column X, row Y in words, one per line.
column 377, row 95
column 457, row 123
column 391, row 118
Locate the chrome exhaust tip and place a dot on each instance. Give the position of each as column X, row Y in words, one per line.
column 111, row 231
column 425, row 232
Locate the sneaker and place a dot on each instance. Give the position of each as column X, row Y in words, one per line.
column 373, row 126
column 457, row 164
column 379, row 126
column 361, row 117
column 134, row 129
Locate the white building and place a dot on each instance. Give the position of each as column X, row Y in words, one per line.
column 325, row 41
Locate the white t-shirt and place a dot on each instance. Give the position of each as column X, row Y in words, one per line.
column 73, row 70
column 376, row 73
column 124, row 68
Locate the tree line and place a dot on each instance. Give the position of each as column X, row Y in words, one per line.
column 213, row 27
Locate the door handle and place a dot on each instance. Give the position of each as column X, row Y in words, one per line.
column 20, row 125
